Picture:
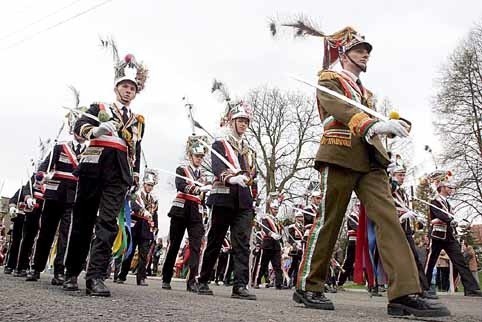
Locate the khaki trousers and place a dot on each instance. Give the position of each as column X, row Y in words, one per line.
column 372, row 188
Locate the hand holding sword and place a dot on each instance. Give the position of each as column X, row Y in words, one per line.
column 241, row 177
column 393, row 126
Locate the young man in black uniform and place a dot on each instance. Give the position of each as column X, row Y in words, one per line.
column 186, row 214
column 109, row 166
column 271, row 245
column 17, row 213
column 33, row 209
column 144, row 222
column 406, row 217
column 312, row 208
column 231, row 200
column 296, row 232
column 443, row 232
column 60, row 186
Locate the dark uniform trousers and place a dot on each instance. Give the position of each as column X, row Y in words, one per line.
column 195, row 231
column 240, row 221
column 273, row 256
column 221, row 267
column 347, row 263
column 16, row 239
column 453, row 250
column 255, row 266
column 143, row 246
column 420, row 268
column 294, row 267
column 372, row 188
column 105, row 194
column 53, row 213
column 29, row 232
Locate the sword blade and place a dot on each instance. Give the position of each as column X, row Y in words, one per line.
column 343, row 98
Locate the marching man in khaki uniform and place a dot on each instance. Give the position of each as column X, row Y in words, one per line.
column 351, row 158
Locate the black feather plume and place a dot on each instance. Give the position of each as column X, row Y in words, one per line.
column 302, row 26
column 219, row 88
column 273, row 27
column 76, row 95
column 110, row 44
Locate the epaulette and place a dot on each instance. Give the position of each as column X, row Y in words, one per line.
column 327, row 75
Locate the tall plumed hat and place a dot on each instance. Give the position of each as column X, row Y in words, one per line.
column 76, row 112
column 128, row 68
column 194, row 147
column 234, row 110
column 150, row 177
column 334, row 44
column 275, row 199
column 440, row 178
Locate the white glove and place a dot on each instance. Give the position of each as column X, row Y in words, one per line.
column 240, row 180
column 105, row 128
column 205, row 188
column 395, row 127
column 12, row 211
column 275, row 236
column 408, row 215
column 147, row 214
column 30, row 202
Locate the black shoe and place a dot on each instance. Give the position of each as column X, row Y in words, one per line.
column 314, row 300
column 473, row 293
column 414, row 304
column 203, row 289
column 20, row 273
column 193, row 288
column 142, row 282
column 70, row 284
column 374, row 291
column 428, row 296
column 118, row 281
column 96, row 287
column 33, row 276
column 7, row 270
column 58, row 279
column 241, row 292
column 166, row 286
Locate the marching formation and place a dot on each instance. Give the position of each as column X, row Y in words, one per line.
column 88, row 189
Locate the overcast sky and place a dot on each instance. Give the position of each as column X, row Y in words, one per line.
column 188, row 43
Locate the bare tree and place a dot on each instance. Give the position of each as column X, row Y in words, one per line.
column 286, row 130
column 458, row 107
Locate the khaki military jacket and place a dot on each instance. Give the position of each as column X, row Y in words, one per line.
column 343, row 141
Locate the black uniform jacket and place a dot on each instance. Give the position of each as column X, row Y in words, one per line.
column 105, row 151
column 223, row 193
column 63, row 184
column 143, row 229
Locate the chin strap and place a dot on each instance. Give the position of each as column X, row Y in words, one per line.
column 362, row 68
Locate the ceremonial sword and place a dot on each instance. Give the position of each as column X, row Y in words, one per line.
column 343, row 98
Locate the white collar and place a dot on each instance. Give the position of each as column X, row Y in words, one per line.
column 75, row 142
column 193, row 167
column 351, row 75
column 119, row 105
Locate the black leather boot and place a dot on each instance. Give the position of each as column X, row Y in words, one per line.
column 314, row 300
column 58, row 279
column 241, row 292
column 70, row 284
column 33, row 276
column 417, row 306
column 96, row 287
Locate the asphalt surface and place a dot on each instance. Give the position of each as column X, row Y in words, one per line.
column 40, row 301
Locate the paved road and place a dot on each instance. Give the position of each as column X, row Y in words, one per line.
column 40, row 301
